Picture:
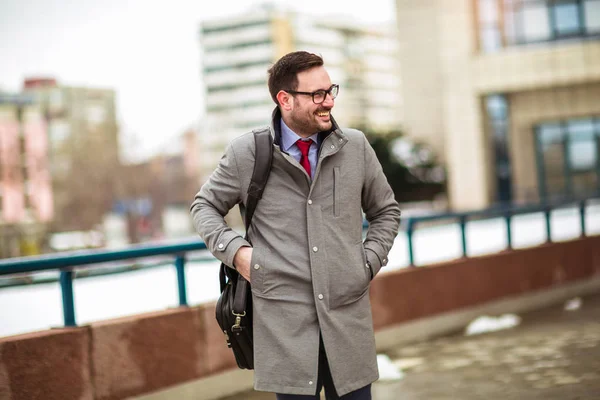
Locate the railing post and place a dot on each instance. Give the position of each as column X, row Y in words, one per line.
column 508, row 218
column 463, row 234
column 541, row 168
column 548, row 225
column 409, row 238
column 180, row 267
column 66, row 285
column 582, row 217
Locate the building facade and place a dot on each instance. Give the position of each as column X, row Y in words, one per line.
column 83, row 149
column 508, row 91
column 26, row 200
column 237, row 52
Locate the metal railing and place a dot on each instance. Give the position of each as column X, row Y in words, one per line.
column 506, row 212
column 66, row 263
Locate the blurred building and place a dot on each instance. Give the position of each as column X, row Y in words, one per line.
column 156, row 194
column 238, row 51
column 508, row 91
column 26, row 201
column 83, row 143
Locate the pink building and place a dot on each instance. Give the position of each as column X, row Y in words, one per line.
column 37, row 166
column 25, row 182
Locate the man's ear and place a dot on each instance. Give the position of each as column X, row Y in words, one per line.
column 285, row 100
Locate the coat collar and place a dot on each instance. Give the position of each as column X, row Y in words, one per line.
column 330, row 142
column 289, row 137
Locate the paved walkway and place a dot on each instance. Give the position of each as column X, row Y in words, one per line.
column 553, row 355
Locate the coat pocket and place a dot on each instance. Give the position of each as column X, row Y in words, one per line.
column 348, row 282
column 337, row 187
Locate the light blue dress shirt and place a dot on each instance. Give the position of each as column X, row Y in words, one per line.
column 288, row 144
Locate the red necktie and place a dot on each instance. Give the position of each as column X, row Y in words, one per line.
column 304, row 146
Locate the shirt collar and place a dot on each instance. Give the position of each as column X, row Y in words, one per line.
column 289, row 137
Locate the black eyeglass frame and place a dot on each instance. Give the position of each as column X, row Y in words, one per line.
column 325, row 92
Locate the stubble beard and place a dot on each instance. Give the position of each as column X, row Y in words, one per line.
column 309, row 123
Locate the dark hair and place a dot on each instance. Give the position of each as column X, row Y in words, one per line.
column 283, row 74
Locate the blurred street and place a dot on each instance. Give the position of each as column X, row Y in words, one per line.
column 553, row 355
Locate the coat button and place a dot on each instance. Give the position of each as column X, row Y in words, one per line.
column 341, row 140
column 333, row 146
column 256, row 266
column 310, row 382
column 315, row 249
column 366, row 265
column 220, row 245
column 309, row 201
column 320, row 297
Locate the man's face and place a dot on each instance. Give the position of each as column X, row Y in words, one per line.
column 307, row 117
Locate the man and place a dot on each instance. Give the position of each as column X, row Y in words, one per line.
column 308, row 266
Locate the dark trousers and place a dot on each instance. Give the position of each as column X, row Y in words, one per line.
column 326, row 381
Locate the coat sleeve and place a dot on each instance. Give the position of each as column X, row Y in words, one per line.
column 381, row 211
column 217, row 196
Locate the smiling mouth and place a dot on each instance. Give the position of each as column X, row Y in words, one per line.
column 323, row 113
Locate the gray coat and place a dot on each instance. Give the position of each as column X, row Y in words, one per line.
column 310, row 268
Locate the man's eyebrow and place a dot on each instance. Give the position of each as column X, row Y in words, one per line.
column 316, row 90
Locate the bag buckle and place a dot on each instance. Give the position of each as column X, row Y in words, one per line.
column 238, row 320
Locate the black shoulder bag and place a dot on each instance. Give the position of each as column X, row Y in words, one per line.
column 234, row 307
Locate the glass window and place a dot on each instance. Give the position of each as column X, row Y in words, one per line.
column 566, row 19
column 582, row 155
column 569, row 151
column 580, row 129
column 488, row 11
column 510, row 27
column 489, row 28
column 500, row 129
column 550, row 133
column 535, row 22
column 95, row 114
column 550, row 139
column 582, row 146
column 513, row 22
column 497, row 107
column 59, row 131
column 591, row 10
column 491, row 39
column 56, row 98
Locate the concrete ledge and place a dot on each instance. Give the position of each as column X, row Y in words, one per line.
column 411, row 294
column 50, row 365
column 451, row 322
column 225, row 378
column 144, row 353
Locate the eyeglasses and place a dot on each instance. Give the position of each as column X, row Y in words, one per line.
column 318, row 96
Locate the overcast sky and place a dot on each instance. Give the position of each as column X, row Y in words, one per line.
column 147, row 51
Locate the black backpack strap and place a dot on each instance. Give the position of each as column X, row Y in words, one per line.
column 263, row 160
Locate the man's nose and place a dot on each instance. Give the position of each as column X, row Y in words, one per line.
column 328, row 102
